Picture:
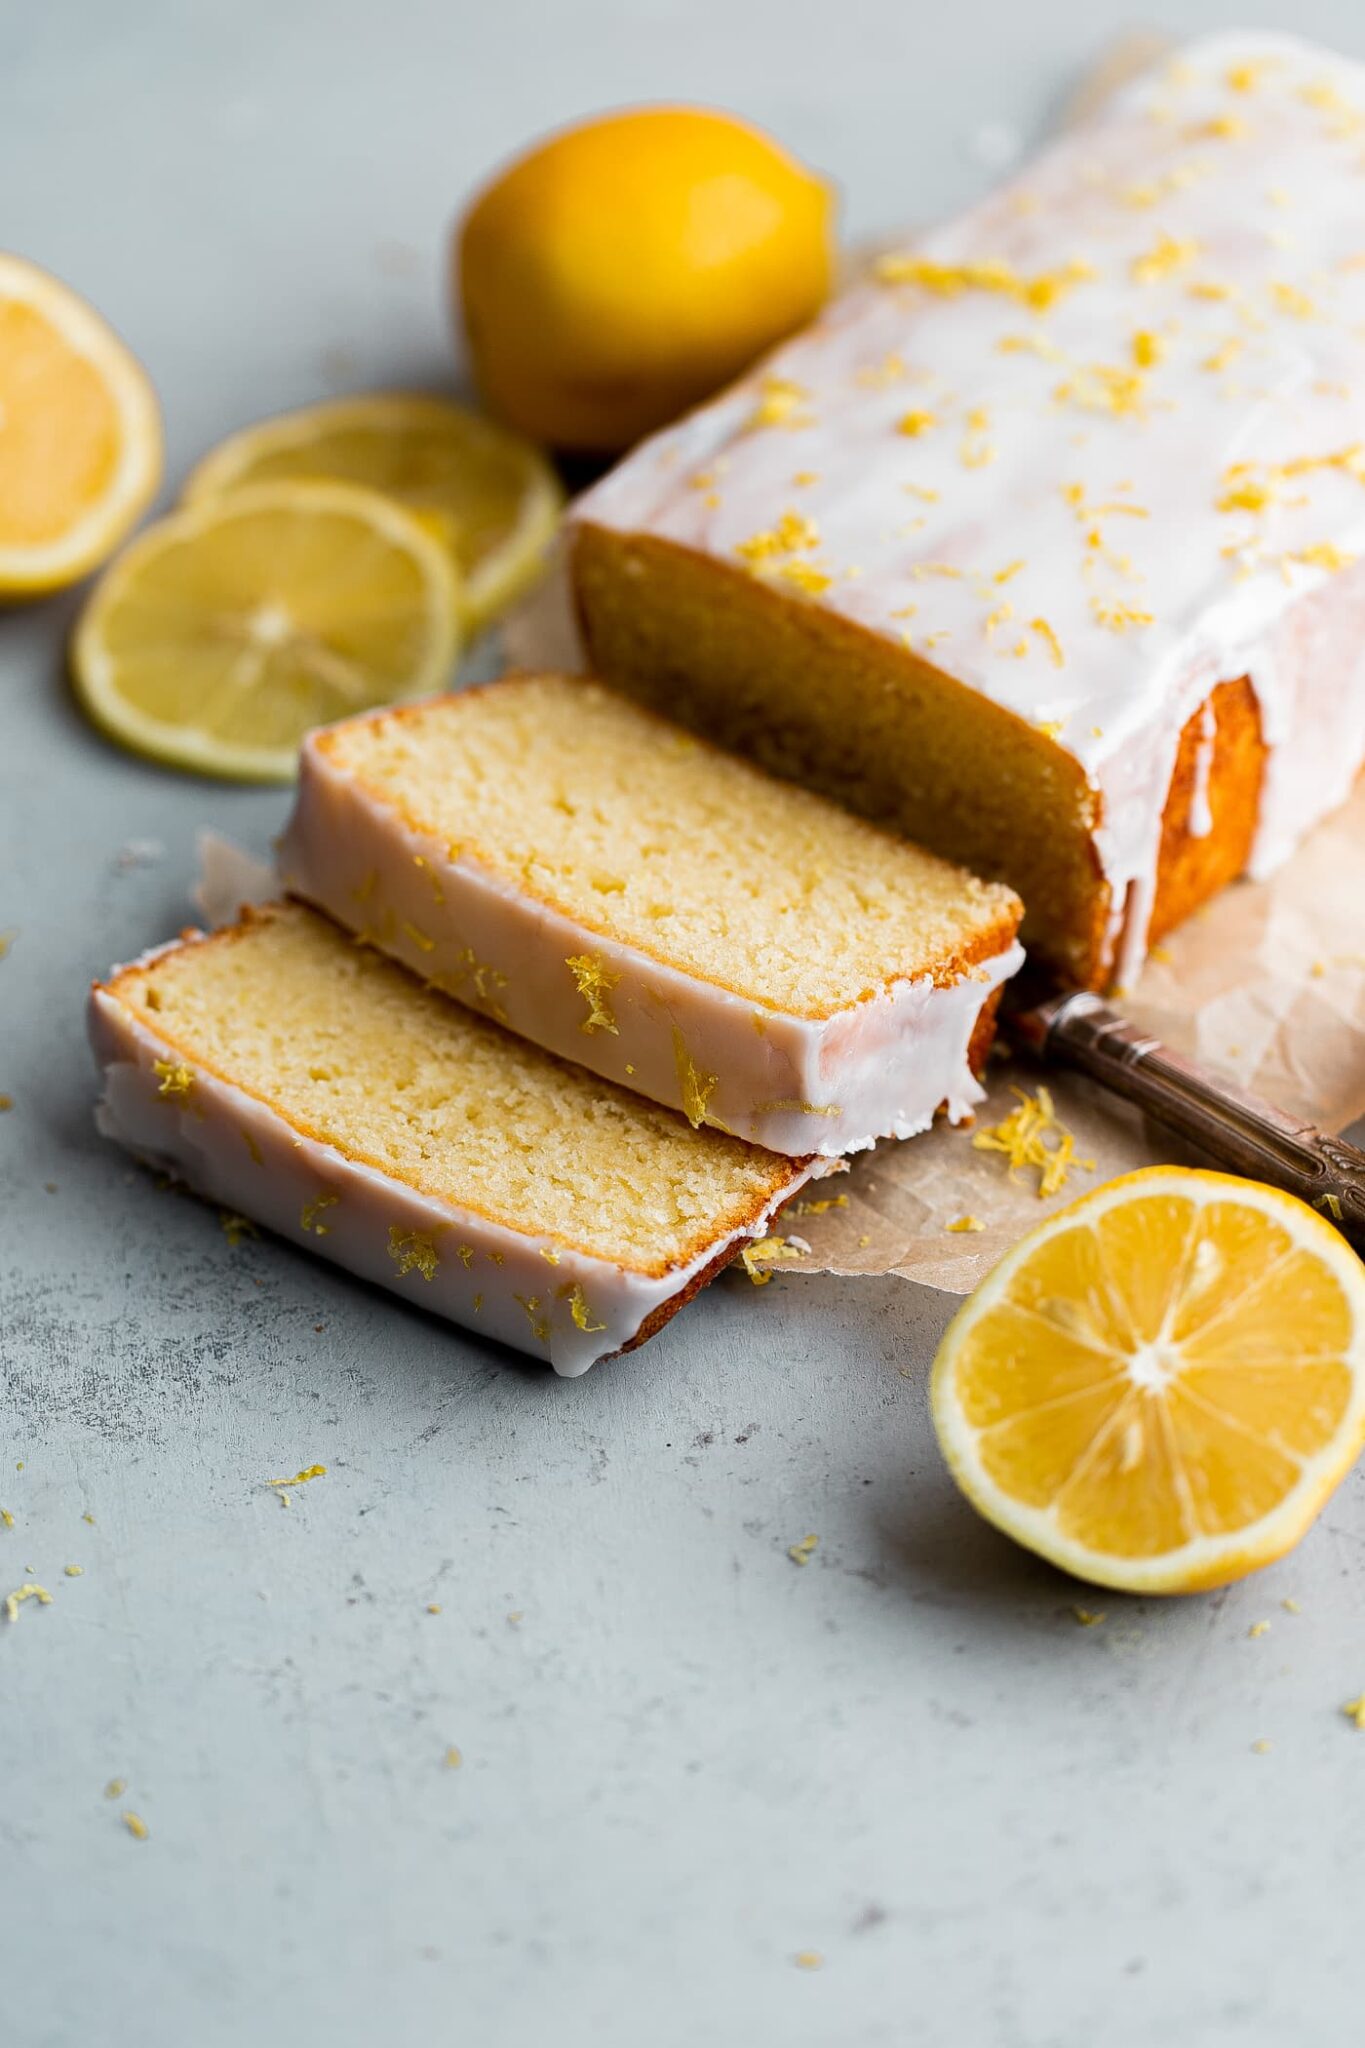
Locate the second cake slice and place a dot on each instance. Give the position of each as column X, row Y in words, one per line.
column 632, row 898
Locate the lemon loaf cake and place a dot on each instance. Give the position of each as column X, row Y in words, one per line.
column 1041, row 543
column 284, row 1071
column 631, row 897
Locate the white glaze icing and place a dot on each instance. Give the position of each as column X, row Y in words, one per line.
column 1199, row 822
column 236, row 1150
column 797, row 1085
column 1209, row 339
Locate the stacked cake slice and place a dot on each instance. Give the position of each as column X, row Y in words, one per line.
column 591, row 885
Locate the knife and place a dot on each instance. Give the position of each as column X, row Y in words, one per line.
column 1237, row 1129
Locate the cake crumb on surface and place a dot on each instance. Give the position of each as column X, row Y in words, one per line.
column 962, row 1223
column 1088, row 1617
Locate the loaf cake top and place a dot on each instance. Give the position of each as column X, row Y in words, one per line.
column 356, row 1054
column 1078, row 448
column 650, row 837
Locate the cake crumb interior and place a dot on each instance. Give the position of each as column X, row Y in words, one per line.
column 353, row 1051
column 640, row 831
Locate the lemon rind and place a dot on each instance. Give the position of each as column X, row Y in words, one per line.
column 26, row 572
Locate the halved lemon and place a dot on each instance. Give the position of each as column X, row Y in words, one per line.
column 226, row 631
column 80, row 434
column 1159, row 1388
column 487, row 495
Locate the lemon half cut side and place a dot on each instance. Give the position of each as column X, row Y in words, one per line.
column 1159, row 1388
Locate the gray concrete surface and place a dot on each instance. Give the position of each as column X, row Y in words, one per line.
column 685, row 1760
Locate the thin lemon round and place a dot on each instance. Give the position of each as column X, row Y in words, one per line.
column 226, row 631
column 1159, row 1388
column 490, row 497
column 80, row 434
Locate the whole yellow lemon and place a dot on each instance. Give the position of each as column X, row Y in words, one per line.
column 629, row 267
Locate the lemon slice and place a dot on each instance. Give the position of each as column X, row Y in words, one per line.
column 80, row 434
column 226, row 631
column 1160, row 1387
column 489, row 496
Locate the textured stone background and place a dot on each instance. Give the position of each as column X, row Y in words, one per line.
column 686, row 1760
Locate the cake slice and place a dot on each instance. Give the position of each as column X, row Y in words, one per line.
column 635, row 899
column 1046, row 543
column 298, row 1078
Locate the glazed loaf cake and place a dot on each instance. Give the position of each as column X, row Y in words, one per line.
column 295, row 1077
column 630, row 897
column 1041, row 544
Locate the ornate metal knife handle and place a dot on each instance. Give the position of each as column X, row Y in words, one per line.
column 1239, row 1130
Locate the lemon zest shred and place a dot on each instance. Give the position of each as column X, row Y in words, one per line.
column 1022, row 1135
column 802, row 1552
column 595, row 981
column 177, row 1080
column 540, row 1324
column 413, row 1250
column 578, row 1308
column 965, row 1223
column 308, row 1215
column 695, row 1087
column 990, row 274
column 28, row 1591
column 759, row 1258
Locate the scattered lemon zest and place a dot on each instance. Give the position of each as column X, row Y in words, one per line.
column 792, row 534
column 808, row 1959
column 804, row 577
column 1010, row 569
column 695, row 1087
column 1022, row 1135
column 1088, row 1617
column 116, row 1788
column 136, row 1826
column 819, row 1208
column 1354, row 1710
column 1148, row 348
column 452, row 1759
column 74, row 1571
column 1103, row 387
column 175, row 1077
column 6, row 1518
column 1259, row 1628
column 28, row 1591
column 235, row 1227
column 913, row 424
column 1166, row 257
column 1224, row 355
column 1049, row 639
column 759, row 1258
column 949, row 280
column 595, row 981
column 804, row 1551
column 578, row 1307
column 1119, row 617
column 308, row 1215
column 540, row 1324
column 413, row 1249
column 965, row 1223
column 1291, row 300
column 781, row 403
